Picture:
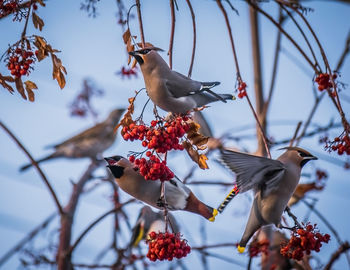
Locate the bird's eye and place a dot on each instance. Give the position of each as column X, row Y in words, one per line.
column 145, row 51
column 302, row 154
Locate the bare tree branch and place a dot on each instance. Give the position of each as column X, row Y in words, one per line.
column 172, row 33
column 35, row 164
column 194, row 37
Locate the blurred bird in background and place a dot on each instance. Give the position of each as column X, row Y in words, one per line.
column 89, row 143
column 273, row 182
column 170, row 90
column 149, row 221
column 177, row 195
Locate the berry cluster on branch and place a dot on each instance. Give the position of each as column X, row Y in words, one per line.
column 304, row 240
column 166, row 246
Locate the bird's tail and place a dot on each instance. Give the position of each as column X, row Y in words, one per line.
column 206, row 86
column 27, row 166
column 228, row 198
column 196, row 206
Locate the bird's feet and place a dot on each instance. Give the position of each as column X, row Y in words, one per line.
column 161, row 202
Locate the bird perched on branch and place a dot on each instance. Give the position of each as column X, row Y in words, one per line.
column 89, row 143
column 273, row 182
column 149, row 221
column 177, row 195
column 170, row 90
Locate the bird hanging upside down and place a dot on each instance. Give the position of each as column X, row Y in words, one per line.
column 273, row 182
column 177, row 195
column 170, row 90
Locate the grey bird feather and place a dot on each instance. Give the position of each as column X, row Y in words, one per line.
column 149, row 221
column 89, row 143
column 170, row 90
column 177, row 195
column 273, row 182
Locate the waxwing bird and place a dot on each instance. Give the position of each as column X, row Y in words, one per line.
column 149, row 221
column 177, row 195
column 273, row 182
column 89, row 143
column 170, row 90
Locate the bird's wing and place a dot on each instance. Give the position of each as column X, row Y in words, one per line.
column 137, row 231
column 93, row 132
column 253, row 172
column 179, row 85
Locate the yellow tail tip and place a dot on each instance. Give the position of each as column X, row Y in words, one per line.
column 240, row 249
column 215, row 212
column 233, row 98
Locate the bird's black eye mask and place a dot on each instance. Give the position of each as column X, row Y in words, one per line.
column 139, row 59
column 117, row 171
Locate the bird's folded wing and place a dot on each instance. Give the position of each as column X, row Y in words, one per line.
column 93, row 132
column 253, row 172
column 179, row 85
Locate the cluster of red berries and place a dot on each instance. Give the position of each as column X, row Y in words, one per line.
column 159, row 137
column 152, row 169
column 242, row 90
column 20, row 62
column 8, row 8
column 321, row 174
column 166, row 246
column 258, row 247
column 127, row 72
column 324, row 82
column 304, row 240
column 340, row 144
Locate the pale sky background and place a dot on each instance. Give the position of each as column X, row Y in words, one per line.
column 94, row 48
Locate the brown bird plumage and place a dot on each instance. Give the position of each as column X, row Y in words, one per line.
column 89, row 143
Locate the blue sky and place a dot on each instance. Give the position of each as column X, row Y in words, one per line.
column 94, row 48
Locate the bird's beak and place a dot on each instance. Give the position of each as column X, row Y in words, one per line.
column 311, row 158
column 133, row 53
column 112, row 160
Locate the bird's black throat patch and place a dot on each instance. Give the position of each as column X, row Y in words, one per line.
column 303, row 162
column 117, row 171
column 138, row 59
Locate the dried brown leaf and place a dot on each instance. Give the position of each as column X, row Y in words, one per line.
column 127, row 119
column 37, row 21
column 134, row 63
column 29, row 88
column 4, row 80
column 57, row 73
column 202, row 162
column 41, row 2
column 126, row 36
column 20, row 88
column 191, row 152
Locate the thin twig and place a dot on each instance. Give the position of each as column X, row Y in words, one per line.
column 251, row 3
column 311, row 115
column 171, row 42
column 81, row 236
column 258, row 86
column 26, row 23
column 260, row 127
column 275, row 63
column 26, row 239
column 302, row 33
column 335, row 99
column 344, row 54
column 138, row 5
column 335, row 256
column 239, row 74
column 35, row 164
column 295, row 134
column 214, row 246
column 231, row 38
column 194, row 37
